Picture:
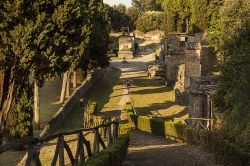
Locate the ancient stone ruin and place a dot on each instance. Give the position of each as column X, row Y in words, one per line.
column 190, row 66
column 126, row 46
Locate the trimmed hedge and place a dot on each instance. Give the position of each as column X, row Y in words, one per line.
column 93, row 108
column 224, row 151
column 113, row 155
column 168, row 129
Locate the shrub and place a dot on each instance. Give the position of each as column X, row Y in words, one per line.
column 225, row 151
column 20, row 117
column 169, row 129
column 113, row 155
column 93, row 108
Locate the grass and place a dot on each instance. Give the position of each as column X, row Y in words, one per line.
column 150, row 97
column 106, row 92
column 154, row 47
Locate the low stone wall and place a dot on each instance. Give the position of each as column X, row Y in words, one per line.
column 73, row 100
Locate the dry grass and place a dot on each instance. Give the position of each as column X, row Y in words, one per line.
column 150, row 97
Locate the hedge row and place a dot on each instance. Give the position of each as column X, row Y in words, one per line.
column 168, row 129
column 93, row 108
column 224, row 151
column 113, row 155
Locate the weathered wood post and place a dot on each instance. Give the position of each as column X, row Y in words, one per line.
column 61, row 150
column 96, row 147
column 33, row 155
column 115, row 129
column 109, row 136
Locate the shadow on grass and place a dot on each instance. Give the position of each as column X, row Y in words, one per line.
column 104, row 88
column 155, row 107
column 100, row 92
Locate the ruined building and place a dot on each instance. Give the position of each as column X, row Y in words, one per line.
column 190, row 63
column 126, row 46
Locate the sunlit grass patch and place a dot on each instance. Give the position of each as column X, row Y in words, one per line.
column 152, row 97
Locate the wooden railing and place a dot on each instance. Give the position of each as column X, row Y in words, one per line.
column 109, row 130
column 201, row 123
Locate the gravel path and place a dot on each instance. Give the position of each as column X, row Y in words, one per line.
column 146, row 149
column 130, row 69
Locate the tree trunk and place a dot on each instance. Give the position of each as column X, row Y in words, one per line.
column 68, row 85
column 187, row 26
column 36, row 106
column 74, row 80
column 64, row 84
column 5, row 108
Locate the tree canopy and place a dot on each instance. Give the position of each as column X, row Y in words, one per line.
column 232, row 97
column 43, row 38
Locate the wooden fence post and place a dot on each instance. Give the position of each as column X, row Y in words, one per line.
column 33, row 156
column 96, row 142
column 61, row 150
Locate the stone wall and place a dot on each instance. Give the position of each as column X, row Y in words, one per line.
column 192, row 66
column 125, row 54
column 197, row 98
column 208, row 61
column 155, row 35
column 72, row 101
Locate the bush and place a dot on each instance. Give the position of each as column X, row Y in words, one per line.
column 93, row 108
column 224, row 151
column 20, row 117
column 113, row 155
column 168, row 129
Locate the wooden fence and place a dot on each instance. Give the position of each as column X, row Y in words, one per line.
column 110, row 132
column 201, row 123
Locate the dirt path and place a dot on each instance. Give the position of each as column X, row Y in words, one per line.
column 146, row 149
column 130, row 69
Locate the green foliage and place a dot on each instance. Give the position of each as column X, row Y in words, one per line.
column 160, row 127
column 19, row 124
column 150, row 21
column 234, row 25
column 124, row 129
column 119, row 19
column 80, row 74
column 115, row 51
column 177, row 13
column 200, row 15
column 99, row 38
column 147, row 5
column 93, row 108
column 232, row 97
column 42, row 38
column 224, row 151
column 113, row 155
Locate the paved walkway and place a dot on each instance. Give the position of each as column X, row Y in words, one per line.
column 146, row 149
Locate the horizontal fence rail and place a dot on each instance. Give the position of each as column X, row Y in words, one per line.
column 201, row 123
column 108, row 132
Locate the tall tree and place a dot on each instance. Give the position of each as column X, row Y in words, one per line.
column 177, row 15
column 17, row 54
column 99, row 36
column 134, row 14
column 119, row 19
column 38, row 38
column 150, row 21
column 147, row 5
column 232, row 97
